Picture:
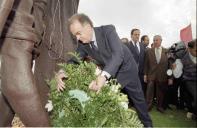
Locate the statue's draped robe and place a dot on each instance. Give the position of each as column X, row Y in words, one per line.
column 56, row 43
column 22, row 25
column 19, row 93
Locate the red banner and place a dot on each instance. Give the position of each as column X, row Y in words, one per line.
column 186, row 34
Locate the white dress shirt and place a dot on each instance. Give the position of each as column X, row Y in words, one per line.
column 177, row 72
column 158, row 53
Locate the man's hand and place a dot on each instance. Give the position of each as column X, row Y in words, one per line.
column 59, row 79
column 170, row 81
column 173, row 66
column 145, row 78
column 100, row 81
column 93, row 86
column 98, row 84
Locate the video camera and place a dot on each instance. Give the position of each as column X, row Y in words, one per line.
column 176, row 51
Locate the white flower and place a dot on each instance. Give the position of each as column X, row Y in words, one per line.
column 97, row 71
column 118, row 86
column 114, row 88
column 49, row 106
column 123, row 98
column 124, row 105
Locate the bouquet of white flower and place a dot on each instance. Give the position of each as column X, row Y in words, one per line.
column 77, row 106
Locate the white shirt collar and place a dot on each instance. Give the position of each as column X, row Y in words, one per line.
column 94, row 38
column 138, row 43
column 159, row 47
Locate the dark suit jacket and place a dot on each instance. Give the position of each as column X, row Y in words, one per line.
column 153, row 70
column 138, row 58
column 116, row 57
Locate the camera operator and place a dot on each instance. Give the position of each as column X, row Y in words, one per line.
column 174, row 93
column 186, row 67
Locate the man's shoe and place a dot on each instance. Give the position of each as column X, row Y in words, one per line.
column 149, row 108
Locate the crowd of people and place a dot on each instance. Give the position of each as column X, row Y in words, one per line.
column 176, row 88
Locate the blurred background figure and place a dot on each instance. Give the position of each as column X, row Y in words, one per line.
column 152, row 45
column 145, row 41
column 124, row 40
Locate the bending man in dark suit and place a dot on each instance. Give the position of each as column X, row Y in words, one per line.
column 103, row 44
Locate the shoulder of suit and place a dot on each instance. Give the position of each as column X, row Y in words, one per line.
column 165, row 49
column 82, row 45
column 150, row 49
column 142, row 44
column 108, row 28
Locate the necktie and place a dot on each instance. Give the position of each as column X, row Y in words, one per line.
column 93, row 46
column 157, row 54
column 136, row 48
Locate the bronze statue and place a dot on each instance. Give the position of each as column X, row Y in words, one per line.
column 56, row 43
column 22, row 26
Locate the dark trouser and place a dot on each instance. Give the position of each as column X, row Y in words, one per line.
column 191, row 100
column 143, row 84
column 172, row 96
column 161, row 88
column 20, row 94
column 135, row 93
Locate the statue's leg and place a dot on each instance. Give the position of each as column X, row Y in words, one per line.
column 5, row 8
column 6, row 113
column 18, row 83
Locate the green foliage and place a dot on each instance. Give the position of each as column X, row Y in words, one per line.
column 77, row 106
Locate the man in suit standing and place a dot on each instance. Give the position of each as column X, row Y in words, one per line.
column 104, row 45
column 138, row 51
column 145, row 41
column 155, row 68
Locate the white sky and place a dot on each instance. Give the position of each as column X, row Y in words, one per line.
column 164, row 17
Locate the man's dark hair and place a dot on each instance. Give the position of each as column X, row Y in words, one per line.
column 192, row 44
column 124, row 40
column 143, row 38
column 133, row 30
column 82, row 18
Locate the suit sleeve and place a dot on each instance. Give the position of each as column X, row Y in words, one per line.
column 117, row 55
